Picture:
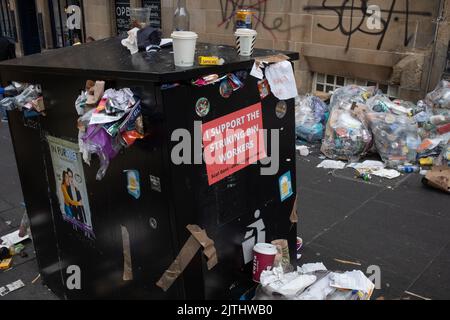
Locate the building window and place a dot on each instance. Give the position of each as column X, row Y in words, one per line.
column 7, row 24
column 326, row 83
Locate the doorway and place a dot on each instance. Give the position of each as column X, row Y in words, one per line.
column 29, row 27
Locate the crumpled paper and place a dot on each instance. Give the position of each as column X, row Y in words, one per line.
column 131, row 43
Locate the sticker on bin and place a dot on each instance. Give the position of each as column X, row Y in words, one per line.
column 233, row 142
column 134, row 184
column 286, row 190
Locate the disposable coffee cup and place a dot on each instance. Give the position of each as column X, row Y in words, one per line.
column 245, row 41
column 263, row 258
column 184, row 43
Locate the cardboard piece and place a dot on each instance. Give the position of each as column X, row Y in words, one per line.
column 294, row 215
column 197, row 240
column 438, row 178
column 272, row 59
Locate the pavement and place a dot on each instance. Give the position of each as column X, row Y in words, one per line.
column 398, row 227
column 11, row 213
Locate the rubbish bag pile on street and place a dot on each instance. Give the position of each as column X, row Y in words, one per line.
column 24, row 97
column 347, row 135
column 109, row 121
column 396, row 138
column 352, row 93
column 407, row 136
column 311, row 115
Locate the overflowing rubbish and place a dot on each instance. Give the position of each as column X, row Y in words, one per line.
column 303, row 150
column 109, row 122
column 387, row 173
column 439, row 98
column 332, row 164
column 13, row 239
column 313, row 282
column 299, row 247
column 344, row 96
column 11, row 287
column 146, row 39
column 396, row 138
column 438, row 178
column 347, row 135
column 311, row 267
column 23, row 97
column 311, row 115
column 408, row 137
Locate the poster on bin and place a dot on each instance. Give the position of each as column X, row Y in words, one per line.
column 233, row 142
column 71, row 185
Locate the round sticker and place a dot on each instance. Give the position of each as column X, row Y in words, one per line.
column 281, row 109
column 202, row 107
column 225, row 89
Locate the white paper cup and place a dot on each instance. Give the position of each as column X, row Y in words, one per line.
column 245, row 41
column 184, row 43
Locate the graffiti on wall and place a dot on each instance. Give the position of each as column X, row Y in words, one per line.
column 352, row 16
column 259, row 9
column 362, row 14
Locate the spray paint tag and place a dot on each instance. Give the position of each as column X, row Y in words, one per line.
column 134, row 183
column 286, row 190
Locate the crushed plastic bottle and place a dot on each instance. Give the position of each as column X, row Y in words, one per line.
column 408, row 169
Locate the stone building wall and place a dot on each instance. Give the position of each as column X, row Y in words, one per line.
column 407, row 49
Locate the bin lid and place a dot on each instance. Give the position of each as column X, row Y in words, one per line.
column 108, row 58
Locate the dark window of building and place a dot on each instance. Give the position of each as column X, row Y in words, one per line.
column 155, row 14
column 7, row 27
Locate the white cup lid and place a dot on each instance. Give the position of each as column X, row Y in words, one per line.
column 245, row 32
column 265, row 248
column 185, row 35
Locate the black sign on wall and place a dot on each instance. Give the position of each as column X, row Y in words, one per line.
column 155, row 15
column 123, row 21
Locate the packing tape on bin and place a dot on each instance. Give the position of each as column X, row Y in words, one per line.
column 127, row 265
column 294, row 215
column 197, row 240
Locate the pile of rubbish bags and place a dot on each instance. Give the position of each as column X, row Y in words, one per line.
column 24, row 97
column 311, row 115
column 109, row 122
column 313, row 282
column 408, row 137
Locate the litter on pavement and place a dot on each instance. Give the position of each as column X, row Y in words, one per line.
column 359, row 121
column 332, row 164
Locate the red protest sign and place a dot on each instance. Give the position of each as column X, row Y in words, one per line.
column 233, row 142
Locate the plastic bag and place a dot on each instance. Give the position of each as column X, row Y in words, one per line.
column 396, row 138
column 6, row 104
column 345, row 96
column 311, row 114
column 347, row 135
column 31, row 93
column 97, row 141
column 440, row 97
column 382, row 103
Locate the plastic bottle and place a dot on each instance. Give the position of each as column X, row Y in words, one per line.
column 181, row 18
column 409, row 169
